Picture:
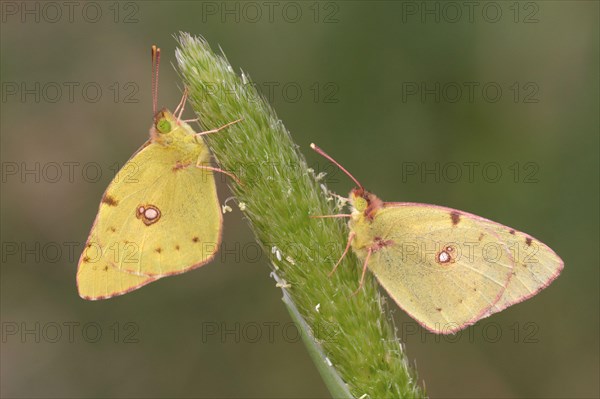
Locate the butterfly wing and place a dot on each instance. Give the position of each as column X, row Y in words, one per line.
column 448, row 268
column 162, row 216
column 536, row 266
column 98, row 278
column 159, row 216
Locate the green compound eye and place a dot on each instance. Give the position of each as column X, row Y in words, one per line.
column 163, row 126
column 360, row 204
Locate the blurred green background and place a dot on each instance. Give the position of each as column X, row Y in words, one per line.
column 386, row 89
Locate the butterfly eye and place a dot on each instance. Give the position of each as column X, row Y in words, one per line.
column 163, row 125
column 360, row 204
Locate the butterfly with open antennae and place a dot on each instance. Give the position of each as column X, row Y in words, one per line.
column 160, row 215
column 446, row 268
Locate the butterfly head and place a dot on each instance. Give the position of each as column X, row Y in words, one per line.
column 167, row 128
column 358, row 200
column 364, row 203
column 164, row 122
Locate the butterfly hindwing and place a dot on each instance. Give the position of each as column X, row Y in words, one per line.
column 98, row 278
column 536, row 266
column 160, row 215
column 448, row 268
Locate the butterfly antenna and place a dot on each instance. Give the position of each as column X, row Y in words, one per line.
column 321, row 152
column 155, row 65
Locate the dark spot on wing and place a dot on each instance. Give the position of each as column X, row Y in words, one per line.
column 180, row 165
column 379, row 243
column 455, row 216
column 460, row 301
column 113, row 229
column 475, row 289
column 512, row 232
column 159, row 249
column 195, row 239
column 86, row 259
column 528, row 241
column 481, row 236
column 110, row 201
column 177, row 247
column 105, row 268
column 438, row 309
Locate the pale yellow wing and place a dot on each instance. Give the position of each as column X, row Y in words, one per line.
column 447, row 268
column 98, row 278
column 160, row 216
column 536, row 266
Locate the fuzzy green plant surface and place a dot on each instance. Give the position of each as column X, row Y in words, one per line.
column 349, row 336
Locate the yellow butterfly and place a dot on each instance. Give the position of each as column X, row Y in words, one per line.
column 446, row 268
column 160, row 215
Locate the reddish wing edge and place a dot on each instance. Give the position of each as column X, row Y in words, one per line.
column 485, row 313
column 399, row 204
column 150, row 278
column 447, row 331
column 116, row 293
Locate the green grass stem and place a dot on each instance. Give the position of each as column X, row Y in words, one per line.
column 351, row 338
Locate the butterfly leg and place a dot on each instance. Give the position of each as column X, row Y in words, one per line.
column 181, row 104
column 234, row 177
column 350, row 238
column 362, row 278
column 339, row 215
column 219, row 128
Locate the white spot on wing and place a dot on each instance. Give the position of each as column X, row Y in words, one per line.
column 444, row 257
column 151, row 213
